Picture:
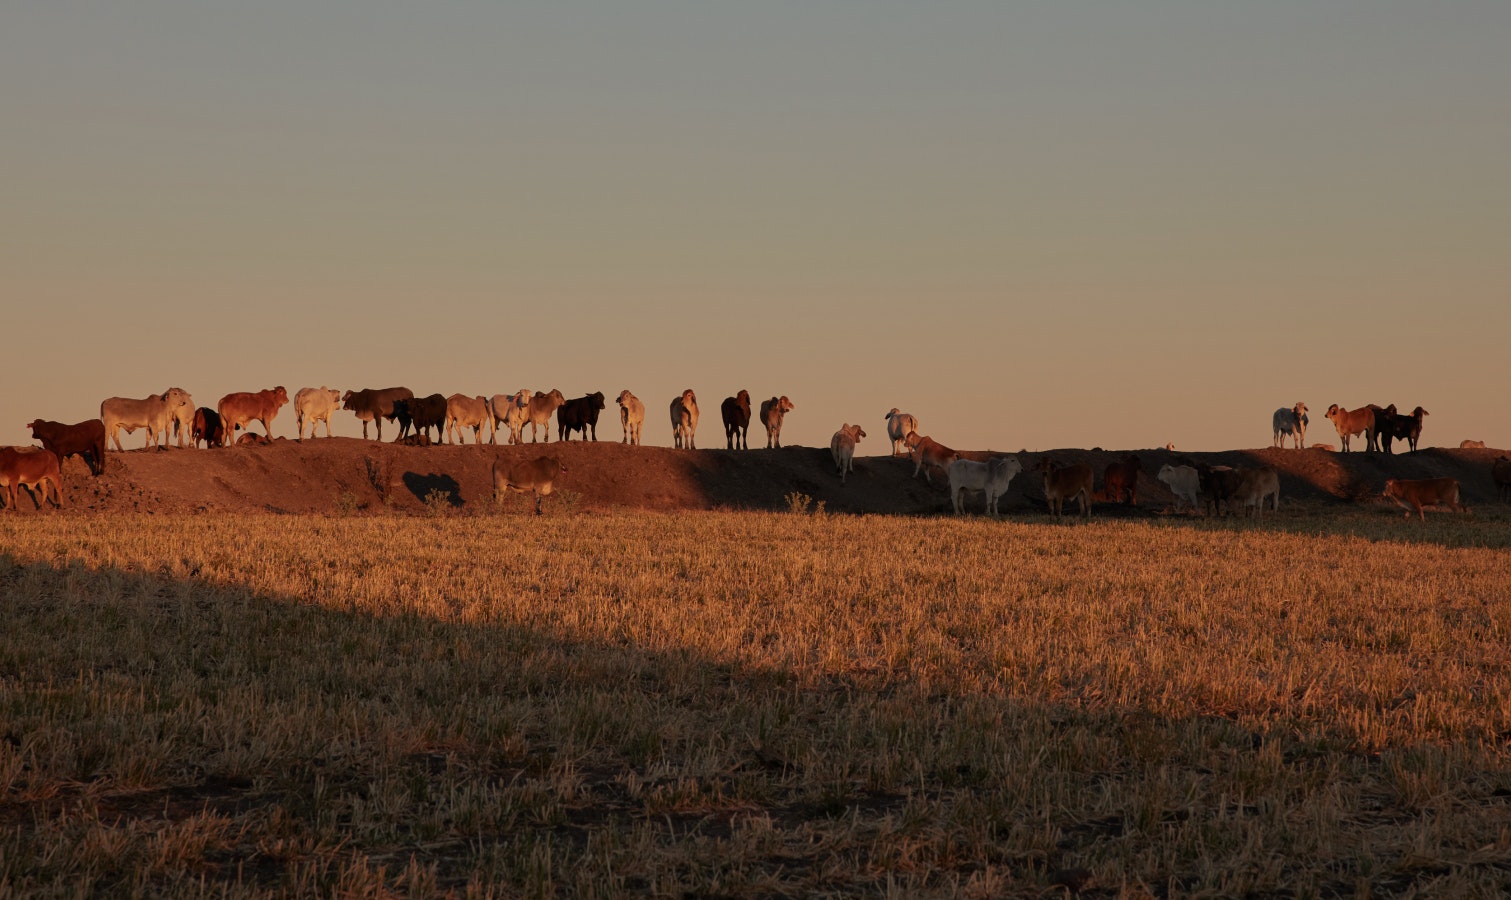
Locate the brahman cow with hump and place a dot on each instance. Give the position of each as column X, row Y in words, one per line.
column 85, row 440
column 684, row 411
column 842, row 448
column 1063, row 483
column 736, row 413
column 928, row 455
column 1414, row 495
column 33, row 467
column 156, row 413
column 899, row 426
column 1120, row 477
column 463, row 411
column 208, row 428
column 579, row 414
column 1290, row 422
column 772, row 413
column 1354, row 422
column 539, row 412
column 631, row 417
column 374, row 405
column 242, row 408
column 537, row 476
column 313, row 406
column 1183, row 481
column 990, row 478
column 1253, row 486
column 1500, row 472
column 512, row 411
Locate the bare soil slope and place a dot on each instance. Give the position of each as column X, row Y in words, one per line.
column 331, row 474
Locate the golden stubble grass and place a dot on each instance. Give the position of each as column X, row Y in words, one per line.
column 752, row 704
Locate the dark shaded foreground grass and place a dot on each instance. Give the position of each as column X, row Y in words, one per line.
column 749, row 704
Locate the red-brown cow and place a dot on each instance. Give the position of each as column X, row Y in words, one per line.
column 33, row 467
column 1120, row 477
column 536, row 476
column 928, row 455
column 85, row 440
column 1413, row 495
column 241, row 409
column 1063, row 483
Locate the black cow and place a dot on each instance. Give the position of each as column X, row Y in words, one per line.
column 1391, row 425
column 85, row 440
column 208, row 428
column 579, row 414
column 736, row 413
column 423, row 413
column 1218, row 483
column 374, row 405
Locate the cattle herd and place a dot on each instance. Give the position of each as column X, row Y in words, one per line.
column 172, row 415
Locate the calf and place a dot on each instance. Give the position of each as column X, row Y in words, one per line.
column 536, row 476
column 1184, row 482
column 207, row 427
column 1253, row 486
column 1063, row 483
column 925, row 451
column 579, row 414
column 34, row 468
column 990, row 478
column 631, row 417
column 684, row 410
column 1290, row 422
column 313, row 406
column 539, row 413
column 736, row 413
column 842, row 448
column 899, row 426
column 772, row 413
column 85, row 440
column 1500, row 471
column 1415, row 494
column 1120, row 477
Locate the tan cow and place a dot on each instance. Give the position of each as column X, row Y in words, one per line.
column 928, row 455
column 1253, row 486
column 684, row 411
column 1413, row 495
column 36, row 469
column 1500, row 471
column 1352, row 422
column 842, row 448
column 536, row 476
column 542, row 407
column 180, row 417
column 899, row 426
column 1063, row 483
column 1471, row 445
column 772, row 413
column 241, row 409
column 157, row 413
column 313, row 406
column 511, row 411
column 631, row 417
column 463, row 411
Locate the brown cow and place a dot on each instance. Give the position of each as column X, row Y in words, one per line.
column 1063, row 483
column 241, row 409
column 1122, row 476
column 1500, row 470
column 536, row 476
column 1351, row 422
column 374, row 405
column 736, row 413
column 208, row 428
column 928, row 454
column 1415, row 494
column 85, row 440
column 772, row 413
column 33, row 467
column 1253, row 486
column 542, row 407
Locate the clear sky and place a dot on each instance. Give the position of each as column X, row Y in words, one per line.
column 1032, row 225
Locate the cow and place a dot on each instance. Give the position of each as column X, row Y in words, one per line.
column 423, row 414
column 1120, row 477
column 208, row 428
column 899, row 426
column 85, row 440
column 244, row 407
column 990, row 478
column 1184, row 482
column 315, row 405
column 1325, row 448
column 1253, row 486
column 579, row 414
column 927, row 452
column 736, row 413
column 33, row 467
column 1290, row 422
column 1409, row 428
column 180, row 416
column 772, row 413
column 252, row 439
column 463, row 411
column 512, row 411
column 418, row 439
column 1218, row 484
column 1169, row 446
column 842, row 448
column 1352, row 422
column 538, row 413
column 684, row 411
column 1413, row 495
column 374, row 405
column 631, row 417
column 155, row 413
column 533, row 477
column 1063, row 483
column 1500, row 471
column 1385, row 427
column 1471, row 445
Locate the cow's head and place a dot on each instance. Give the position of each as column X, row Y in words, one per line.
column 280, row 396
column 624, row 398
column 597, row 398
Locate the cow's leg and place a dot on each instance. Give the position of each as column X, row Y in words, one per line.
column 537, row 503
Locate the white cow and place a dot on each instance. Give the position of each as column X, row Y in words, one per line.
column 899, row 426
column 511, row 411
column 315, row 405
column 991, row 478
column 1290, row 422
column 156, row 413
column 842, row 448
column 1183, row 481
column 631, row 417
column 463, row 411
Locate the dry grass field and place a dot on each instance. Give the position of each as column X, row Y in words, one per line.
column 753, row 704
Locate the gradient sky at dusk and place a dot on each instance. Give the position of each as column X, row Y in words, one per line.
column 1032, row 225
